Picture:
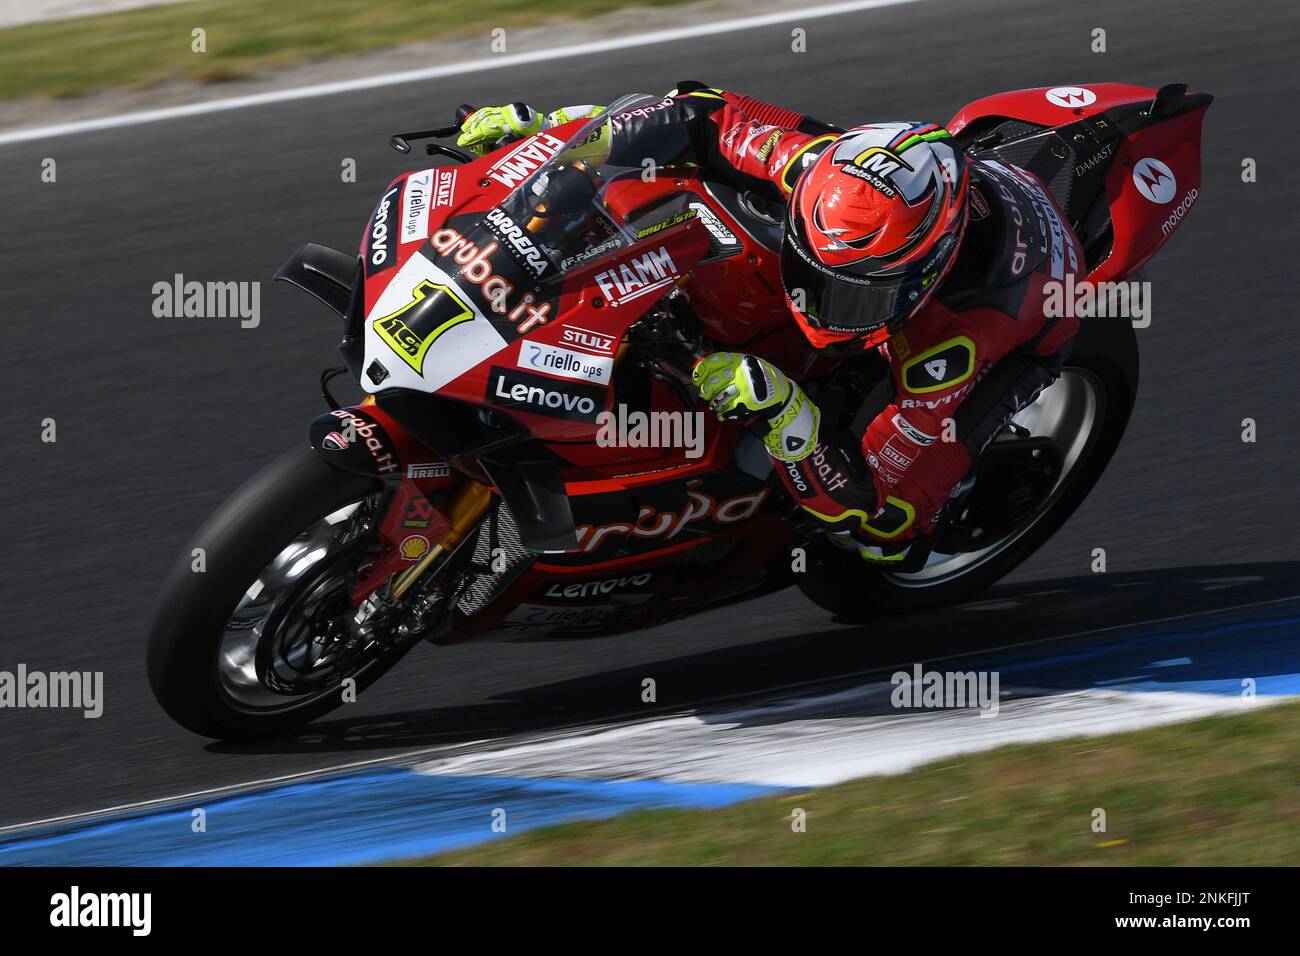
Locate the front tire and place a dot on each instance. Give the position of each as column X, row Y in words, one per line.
column 220, row 659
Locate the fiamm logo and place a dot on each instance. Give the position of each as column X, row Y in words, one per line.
column 410, row 331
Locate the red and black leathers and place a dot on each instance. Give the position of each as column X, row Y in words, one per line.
column 980, row 350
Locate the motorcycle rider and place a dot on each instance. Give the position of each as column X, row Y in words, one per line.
column 894, row 240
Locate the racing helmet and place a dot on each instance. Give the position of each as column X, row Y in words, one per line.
column 872, row 227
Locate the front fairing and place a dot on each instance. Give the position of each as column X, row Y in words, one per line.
column 482, row 292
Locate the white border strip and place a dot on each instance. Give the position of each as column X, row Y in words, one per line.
column 772, row 696
column 450, row 69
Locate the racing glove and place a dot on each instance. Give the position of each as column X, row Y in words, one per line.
column 484, row 129
column 739, row 386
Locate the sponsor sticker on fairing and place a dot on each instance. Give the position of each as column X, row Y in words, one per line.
column 525, row 159
column 714, row 224
column 526, row 392
column 415, row 206
column 428, row 469
column 634, row 278
column 517, row 239
column 565, row 363
column 597, row 343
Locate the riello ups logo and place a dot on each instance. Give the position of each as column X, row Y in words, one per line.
column 434, row 309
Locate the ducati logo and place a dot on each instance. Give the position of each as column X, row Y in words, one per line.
column 1154, row 180
column 937, row 368
column 1070, row 97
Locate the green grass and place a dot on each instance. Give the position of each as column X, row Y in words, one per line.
column 139, row 48
column 1214, row 792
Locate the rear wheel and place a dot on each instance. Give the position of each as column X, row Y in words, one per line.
column 252, row 636
column 1084, row 413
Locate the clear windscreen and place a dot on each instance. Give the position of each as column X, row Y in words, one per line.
column 563, row 205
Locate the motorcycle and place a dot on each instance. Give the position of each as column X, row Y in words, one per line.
column 505, row 312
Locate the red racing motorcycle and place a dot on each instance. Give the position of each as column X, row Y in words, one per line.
column 531, row 459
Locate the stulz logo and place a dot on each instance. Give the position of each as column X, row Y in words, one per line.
column 514, row 236
column 597, row 343
column 1154, row 180
column 651, row 523
column 637, row 277
column 599, row 588
column 544, row 396
column 524, row 159
column 379, row 251
column 1170, row 224
column 565, row 363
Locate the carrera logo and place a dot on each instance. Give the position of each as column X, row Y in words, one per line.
column 650, row 523
column 544, row 396
column 409, row 332
column 598, row 343
column 380, row 254
column 565, row 363
column 598, row 588
column 525, row 159
column 638, row 277
column 530, row 257
column 1154, row 180
column 415, row 206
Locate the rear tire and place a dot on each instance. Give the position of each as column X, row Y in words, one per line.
column 844, row 584
column 240, row 540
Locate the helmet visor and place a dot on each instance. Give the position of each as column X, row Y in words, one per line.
column 841, row 302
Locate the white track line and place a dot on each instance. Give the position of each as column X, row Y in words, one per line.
column 561, row 734
column 450, row 69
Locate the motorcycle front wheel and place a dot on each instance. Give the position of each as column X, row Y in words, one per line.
column 250, row 637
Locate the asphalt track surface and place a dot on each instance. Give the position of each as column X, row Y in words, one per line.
column 159, row 419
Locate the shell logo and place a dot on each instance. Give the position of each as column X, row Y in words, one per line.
column 414, row 547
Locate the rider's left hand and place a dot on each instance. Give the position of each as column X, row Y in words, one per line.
column 737, row 386
column 484, row 128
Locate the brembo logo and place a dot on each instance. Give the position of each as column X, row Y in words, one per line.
column 637, row 277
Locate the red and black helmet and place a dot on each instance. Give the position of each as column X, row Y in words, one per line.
column 874, row 225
